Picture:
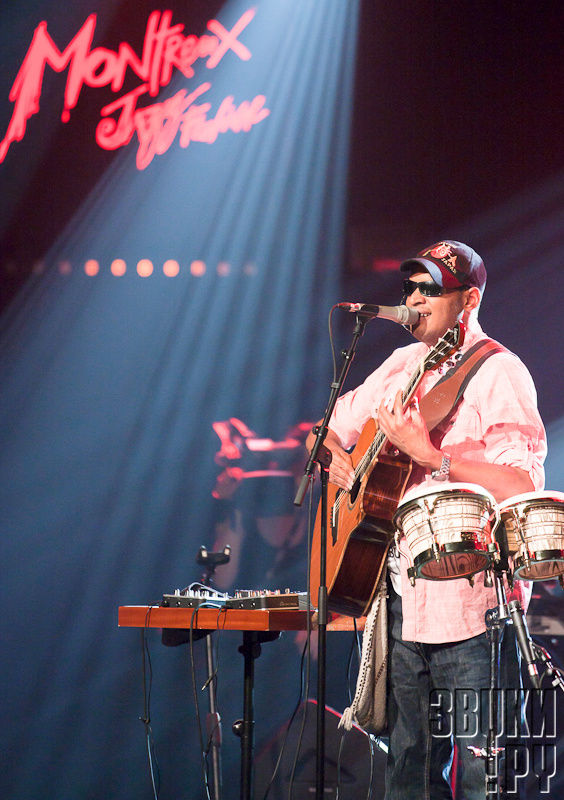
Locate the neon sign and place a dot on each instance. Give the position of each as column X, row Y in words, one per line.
column 165, row 48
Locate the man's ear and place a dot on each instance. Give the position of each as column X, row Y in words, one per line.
column 472, row 299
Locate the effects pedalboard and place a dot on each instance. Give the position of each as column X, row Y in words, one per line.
column 197, row 594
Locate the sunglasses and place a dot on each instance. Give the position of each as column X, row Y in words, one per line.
column 427, row 288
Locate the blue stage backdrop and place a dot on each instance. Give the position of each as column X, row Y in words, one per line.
column 182, row 261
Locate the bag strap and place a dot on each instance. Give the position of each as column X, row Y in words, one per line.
column 437, row 404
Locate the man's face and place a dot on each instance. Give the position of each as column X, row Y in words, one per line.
column 437, row 314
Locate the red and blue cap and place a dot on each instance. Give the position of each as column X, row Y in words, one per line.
column 450, row 264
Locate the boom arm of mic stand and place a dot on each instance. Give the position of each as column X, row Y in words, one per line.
column 317, row 454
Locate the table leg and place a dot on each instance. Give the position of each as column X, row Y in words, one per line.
column 251, row 650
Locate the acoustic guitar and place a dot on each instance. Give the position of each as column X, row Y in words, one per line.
column 359, row 524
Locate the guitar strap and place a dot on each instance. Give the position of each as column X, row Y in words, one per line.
column 438, row 403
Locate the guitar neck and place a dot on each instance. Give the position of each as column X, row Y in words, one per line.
column 444, row 347
column 375, row 447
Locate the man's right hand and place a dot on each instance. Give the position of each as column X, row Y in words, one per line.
column 341, row 471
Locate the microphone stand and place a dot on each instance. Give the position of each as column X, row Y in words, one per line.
column 213, row 720
column 322, row 456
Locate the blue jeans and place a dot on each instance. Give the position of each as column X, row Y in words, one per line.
column 424, row 682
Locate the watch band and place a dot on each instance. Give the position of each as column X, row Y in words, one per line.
column 443, row 473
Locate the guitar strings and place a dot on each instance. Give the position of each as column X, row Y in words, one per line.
column 442, row 348
column 373, row 450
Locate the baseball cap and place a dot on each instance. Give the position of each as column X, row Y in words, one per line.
column 450, row 264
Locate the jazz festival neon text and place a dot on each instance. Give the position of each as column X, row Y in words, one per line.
column 165, row 49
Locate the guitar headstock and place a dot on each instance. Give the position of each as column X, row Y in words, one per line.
column 447, row 344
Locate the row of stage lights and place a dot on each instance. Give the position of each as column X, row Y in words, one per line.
column 144, row 268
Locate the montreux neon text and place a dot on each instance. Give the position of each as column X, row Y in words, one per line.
column 165, row 48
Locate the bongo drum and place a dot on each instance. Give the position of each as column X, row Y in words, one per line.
column 449, row 531
column 533, row 524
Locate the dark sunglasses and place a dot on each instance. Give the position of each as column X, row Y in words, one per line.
column 427, row 288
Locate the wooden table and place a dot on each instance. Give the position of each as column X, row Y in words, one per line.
column 258, row 626
column 231, row 619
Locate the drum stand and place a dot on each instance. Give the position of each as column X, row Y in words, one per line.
column 496, row 618
column 551, row 670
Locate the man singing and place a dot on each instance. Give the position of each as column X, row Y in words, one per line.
column 493, row 438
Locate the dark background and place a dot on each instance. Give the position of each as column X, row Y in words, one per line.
column 458, row 108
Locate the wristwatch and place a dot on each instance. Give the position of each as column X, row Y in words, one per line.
column 443, row 473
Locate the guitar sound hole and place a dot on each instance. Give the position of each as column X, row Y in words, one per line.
column 355, row 490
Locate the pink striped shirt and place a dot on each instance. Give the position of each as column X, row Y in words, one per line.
column 496, row 422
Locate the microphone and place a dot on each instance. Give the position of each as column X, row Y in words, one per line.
column 520, row 625
column 401, row 314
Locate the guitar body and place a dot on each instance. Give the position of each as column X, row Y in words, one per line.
column 359, row 530
column 359, row 523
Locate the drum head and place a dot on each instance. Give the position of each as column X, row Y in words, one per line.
column 531, row 497
column 428, row 491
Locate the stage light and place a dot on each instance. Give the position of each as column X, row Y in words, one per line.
column 198, row 268
column 171, row 268
column 144, row 268
column 91, row 267
column 118, row 267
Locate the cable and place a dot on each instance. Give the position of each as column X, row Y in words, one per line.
column 212, row 679
column 307, row 651
column 332, row 343
column 307, row 648
column 287, row 731
column 355, row 647
column 213, row 595
column 371, row 777
column 372, row 740
column 146, row 718
column 304, row 685
column 203, row 750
